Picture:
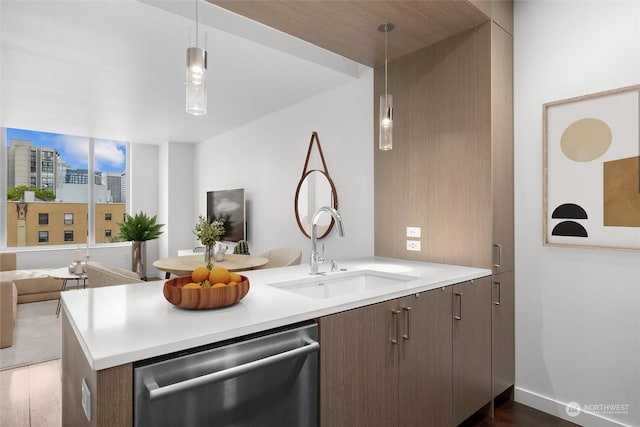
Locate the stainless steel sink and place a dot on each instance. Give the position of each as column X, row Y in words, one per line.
column 337, row 285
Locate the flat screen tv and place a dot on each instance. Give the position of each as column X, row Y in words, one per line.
column 230, row 205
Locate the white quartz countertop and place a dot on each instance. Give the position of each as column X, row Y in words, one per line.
column 126, row 323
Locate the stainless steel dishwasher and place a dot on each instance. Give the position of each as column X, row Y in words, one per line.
column 269, row 379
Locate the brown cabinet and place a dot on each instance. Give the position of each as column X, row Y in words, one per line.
column 358, row 367
column 502, row 148
column 471, row 347
column 503, row 340
column 425, row 359
column 388, row 364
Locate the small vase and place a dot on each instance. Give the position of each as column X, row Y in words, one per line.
column 209, row 255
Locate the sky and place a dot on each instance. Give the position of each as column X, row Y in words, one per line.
column 74, row 150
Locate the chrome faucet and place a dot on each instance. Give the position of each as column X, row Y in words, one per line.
column 315, row 256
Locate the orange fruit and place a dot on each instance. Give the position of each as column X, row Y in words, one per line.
column 233, row 277
column 219, row 275
column 219, row 285
column 191, row 286
column 232, row 283
column 200, row 274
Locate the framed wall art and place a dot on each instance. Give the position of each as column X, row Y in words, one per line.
column 592, row 170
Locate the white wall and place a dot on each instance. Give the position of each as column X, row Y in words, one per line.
column 176, row 195
column 266, row 157
column 577, row 310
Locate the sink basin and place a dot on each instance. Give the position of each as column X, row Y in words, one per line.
column 337, row 285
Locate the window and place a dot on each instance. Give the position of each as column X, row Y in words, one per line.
column 65, row 172
column 43, row 237
column 107, row 233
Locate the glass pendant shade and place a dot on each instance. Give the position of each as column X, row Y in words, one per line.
column 196, row 81
column 385, row 138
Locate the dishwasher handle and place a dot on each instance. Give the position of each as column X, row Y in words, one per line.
column 155, row 391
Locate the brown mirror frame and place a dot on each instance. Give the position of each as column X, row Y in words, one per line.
column 305, row 175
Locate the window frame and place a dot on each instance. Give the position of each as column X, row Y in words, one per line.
column 92, row 232
column 64, row 238
column 65, row 218
column 42, row 215
column 44, row 233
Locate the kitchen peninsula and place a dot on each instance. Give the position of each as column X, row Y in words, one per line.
column 106, row 330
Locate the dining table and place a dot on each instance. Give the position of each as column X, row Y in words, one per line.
column 184, row 265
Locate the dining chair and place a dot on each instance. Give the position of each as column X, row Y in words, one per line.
column 282, row 257
column 99, row 275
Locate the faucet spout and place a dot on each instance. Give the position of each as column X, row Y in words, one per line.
column 315, row 256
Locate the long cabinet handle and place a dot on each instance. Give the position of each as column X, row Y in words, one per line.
column 498, row 263
column 395, row 314
column 156, row 392
column 459, row 297
column 498, row 287
column 407, row 320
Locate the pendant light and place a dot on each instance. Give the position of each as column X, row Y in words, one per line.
column 385, row 138
column 196, row 97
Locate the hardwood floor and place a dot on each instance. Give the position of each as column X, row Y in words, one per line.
column 31, row 397
column 514, row 414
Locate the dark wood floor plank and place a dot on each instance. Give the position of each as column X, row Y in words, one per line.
column 514, row 414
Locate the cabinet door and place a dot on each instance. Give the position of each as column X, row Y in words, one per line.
column 502, row 148
column 425, row 359
column 503, row 343
column 358, row 367
column 471, row 347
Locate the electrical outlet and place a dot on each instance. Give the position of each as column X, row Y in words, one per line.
column 413, row 245
column 414, row 232
column 86, row 400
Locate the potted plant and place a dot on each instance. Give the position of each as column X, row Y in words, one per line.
column 209, row 233
column 138, row 229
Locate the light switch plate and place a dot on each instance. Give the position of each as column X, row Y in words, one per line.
column 414, row 232
column 413, row 245
column 86, row 400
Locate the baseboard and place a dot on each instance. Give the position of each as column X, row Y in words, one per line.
column 562, row 410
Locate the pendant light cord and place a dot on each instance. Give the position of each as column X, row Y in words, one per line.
column 385, row 59
column 197, row 32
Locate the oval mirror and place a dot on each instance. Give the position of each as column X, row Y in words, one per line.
column 314, row 191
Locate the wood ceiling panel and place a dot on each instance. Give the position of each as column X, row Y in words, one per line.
column 350, row 28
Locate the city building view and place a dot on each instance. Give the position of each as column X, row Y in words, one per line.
column 48, row 193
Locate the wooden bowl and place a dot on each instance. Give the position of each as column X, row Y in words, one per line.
column 203, row 298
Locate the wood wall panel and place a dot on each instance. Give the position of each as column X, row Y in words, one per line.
column 350, row 28
column 111, row 389
column 438, row 174
column 502, row 145
column 500, row 11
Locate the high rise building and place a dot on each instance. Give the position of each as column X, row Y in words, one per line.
column 31, row 166
column 123, row 189
column 114, row 184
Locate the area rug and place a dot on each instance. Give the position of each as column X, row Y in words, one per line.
column 36, row 337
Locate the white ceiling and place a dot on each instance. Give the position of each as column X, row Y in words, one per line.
column 115, row 69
